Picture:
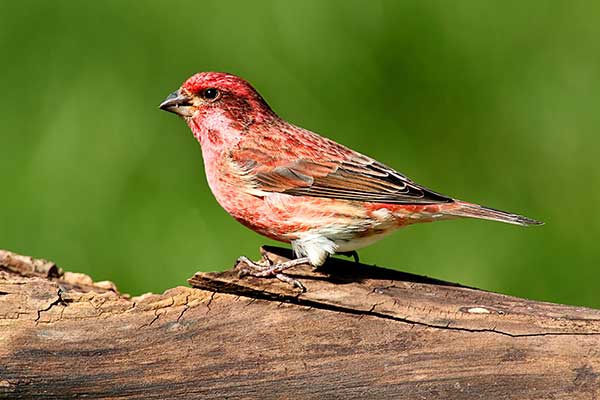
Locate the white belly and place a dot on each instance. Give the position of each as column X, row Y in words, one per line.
column 319, row 244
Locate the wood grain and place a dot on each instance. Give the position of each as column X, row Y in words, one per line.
column 358, row 332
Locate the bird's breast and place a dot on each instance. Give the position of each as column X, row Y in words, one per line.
column 284, row 217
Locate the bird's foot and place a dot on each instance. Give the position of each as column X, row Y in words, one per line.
column 353, row 254
column 266, row 268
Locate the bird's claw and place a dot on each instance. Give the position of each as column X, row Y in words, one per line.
column 353, row 254
column 266, row 268
column 291, row 281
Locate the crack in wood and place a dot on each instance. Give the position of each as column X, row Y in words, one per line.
column 423, row 291
column 185, row 308
column 59, row 301
column 289, row 345
column 156, row 317
column 253, row 295
column 210, row 300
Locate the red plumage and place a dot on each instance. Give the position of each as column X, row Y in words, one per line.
column 292, row 185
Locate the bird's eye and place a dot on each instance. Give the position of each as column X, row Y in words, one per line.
column 210, row 94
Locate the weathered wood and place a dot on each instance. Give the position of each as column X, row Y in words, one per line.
column 358, row 332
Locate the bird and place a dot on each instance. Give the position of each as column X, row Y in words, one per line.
column 295, row 186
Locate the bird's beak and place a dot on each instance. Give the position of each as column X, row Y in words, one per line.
column 178, row 104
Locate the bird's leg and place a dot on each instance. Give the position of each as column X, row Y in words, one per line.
column 265, row 268
column 280, row 267
column 353, row 254
column 259, row 265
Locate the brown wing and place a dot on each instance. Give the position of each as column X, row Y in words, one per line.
column 358, row 178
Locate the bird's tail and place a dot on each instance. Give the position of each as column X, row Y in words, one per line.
column 464, row 209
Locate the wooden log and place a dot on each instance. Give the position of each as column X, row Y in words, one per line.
column 358, row 332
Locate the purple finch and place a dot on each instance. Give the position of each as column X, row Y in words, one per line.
column 292, row 185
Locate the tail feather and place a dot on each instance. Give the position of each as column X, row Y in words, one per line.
column 476, row 211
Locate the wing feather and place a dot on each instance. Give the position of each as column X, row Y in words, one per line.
column 356, row 177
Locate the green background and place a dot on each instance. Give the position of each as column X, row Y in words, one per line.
column 495, row 102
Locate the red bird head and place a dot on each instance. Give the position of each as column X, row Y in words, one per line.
column 217, row 105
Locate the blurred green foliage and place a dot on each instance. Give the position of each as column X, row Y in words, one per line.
column 495, row 102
